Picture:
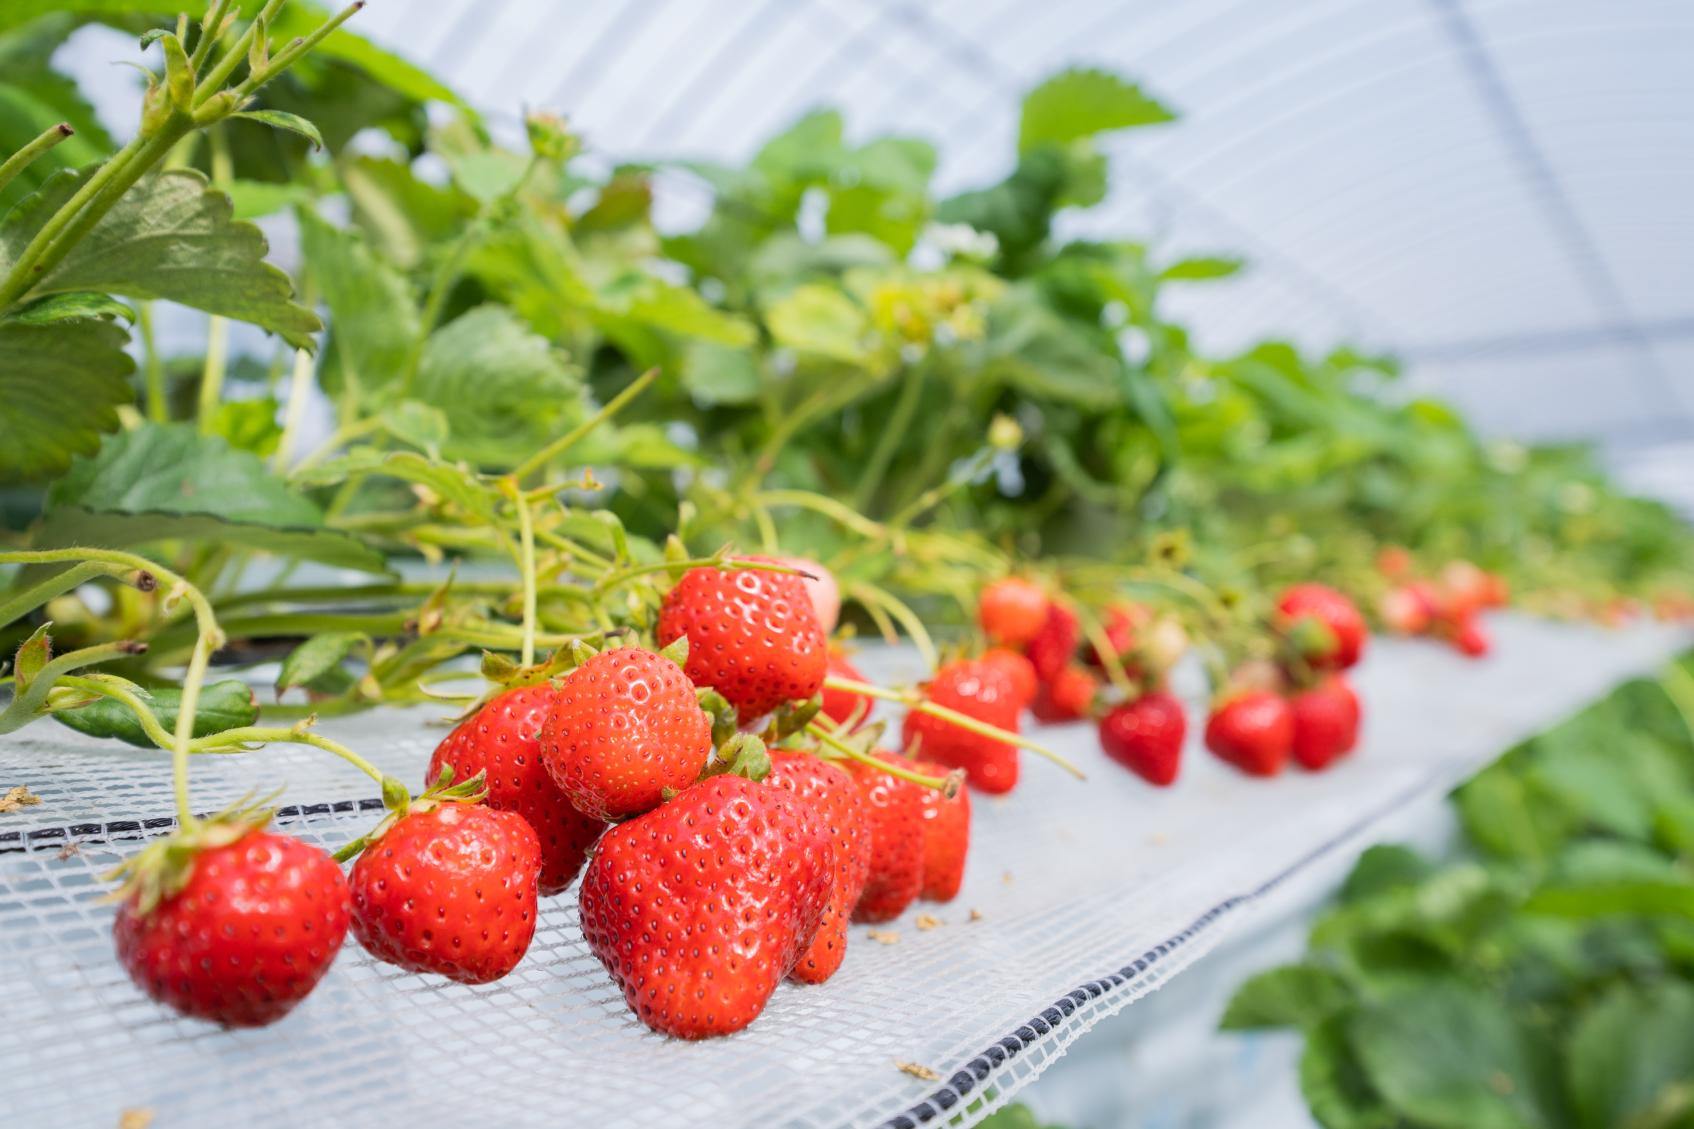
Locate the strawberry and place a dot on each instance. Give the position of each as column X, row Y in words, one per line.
column 982, row 691
column 1012, row 611
column 699, row 908
column 1408, row 609
column 1470, row 638
column 752, row 636
column 502, row 740
column 841, row 706
column 843, row 810
column 1341, row 622
column 895, row 808
column 821, row 586
column 1395, row 562
column 624, row 726
column 1123, row 624
column 1326, row 723
column 1069, row 697
column 1018, row 668
column 946, row 836
column 251, row 929
column 1145, row 736
column 1054, row 646
column 1467, row 587
column 449, row 888
column 1252, row 730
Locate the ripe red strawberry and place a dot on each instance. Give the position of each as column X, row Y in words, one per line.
column 842, row 809
column 1054, row 646
column 1145, row 736
column 1470, row 638
column 1326, row 723
column 699, row 908
column 449, row 889
column 1012, row 610
column 946, row 836
column 1069, row 697
column 1122, row 625
column 1336, row 613
column 752, row 636
column 1018, row 668
column 895, row 809
column 1252, row 730
column 842, row 705
column 1395, row 562
column 502, row 740
column 247, row 936
column 624, row 726
column 1407, row 610
column 979, row 690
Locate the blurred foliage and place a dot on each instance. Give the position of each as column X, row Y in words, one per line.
column 1544, row 979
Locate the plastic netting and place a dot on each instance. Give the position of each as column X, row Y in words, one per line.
column 1088, row 897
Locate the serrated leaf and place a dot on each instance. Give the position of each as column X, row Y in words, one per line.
column 822, row 321
column 1082, row 102
column 718, row 374
column 223, row 705
column 373, row 317
column 1631, row 1056
column 419, row 425
column 504, row 390
column 174, row 237
column 1298, row 995
column 1201, row 268
column 1335, row 1086
column 316, row 657
column 167, row 482
column 280, row 119
column 61, row 384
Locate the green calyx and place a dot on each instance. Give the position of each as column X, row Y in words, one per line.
column 399, row 802
column 163, row 868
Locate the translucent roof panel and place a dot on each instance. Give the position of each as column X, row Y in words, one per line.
column 1501, row 191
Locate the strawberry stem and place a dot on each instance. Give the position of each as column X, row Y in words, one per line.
column 949, row 784
column 564, row 442
column 526, row 565
column 963, row 721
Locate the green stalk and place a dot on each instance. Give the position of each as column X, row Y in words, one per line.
column 526, row 568
column 562, row 444
column 299, row 387
column 22, row 603
column 210, row 29
column 236, row 55
column 893, row 434
column 28, row 155
column 948, row 784
column 22, row 709
column 153, row 365
column 963, row 721
column 217, row 328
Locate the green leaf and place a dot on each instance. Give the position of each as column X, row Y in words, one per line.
column 1382, row 868
column 1082, row 102
column 673, row 309
column 1201, row 269
column 316, row 657
column 253, row 199
column 223, row 705
column 822, row 321
column 61, row 383
column 174, row 237
column 1630, row 1057
column 1334, row 1084
column 372, row 315
column 452, row 483
column 248, row 424
column 419, row 425
column 1298, row 995
column 166, row 482
column 1447, row 1056
column 1035, row 350
column 717, row 374
column 278, row 119
column 504, row 390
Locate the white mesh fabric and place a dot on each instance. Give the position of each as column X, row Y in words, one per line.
column 1090, row 896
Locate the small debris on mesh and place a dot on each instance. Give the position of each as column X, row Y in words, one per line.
column 1158, row 839
column 884, row 936
column 929, row 921
column 918, row 1070
column 1006, row 878
column 976, row 914
column 135, row 1119
column 71, row 848
column 19, row 797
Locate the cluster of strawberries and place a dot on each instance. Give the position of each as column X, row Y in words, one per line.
column 1448, row 606
column 712, row 866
